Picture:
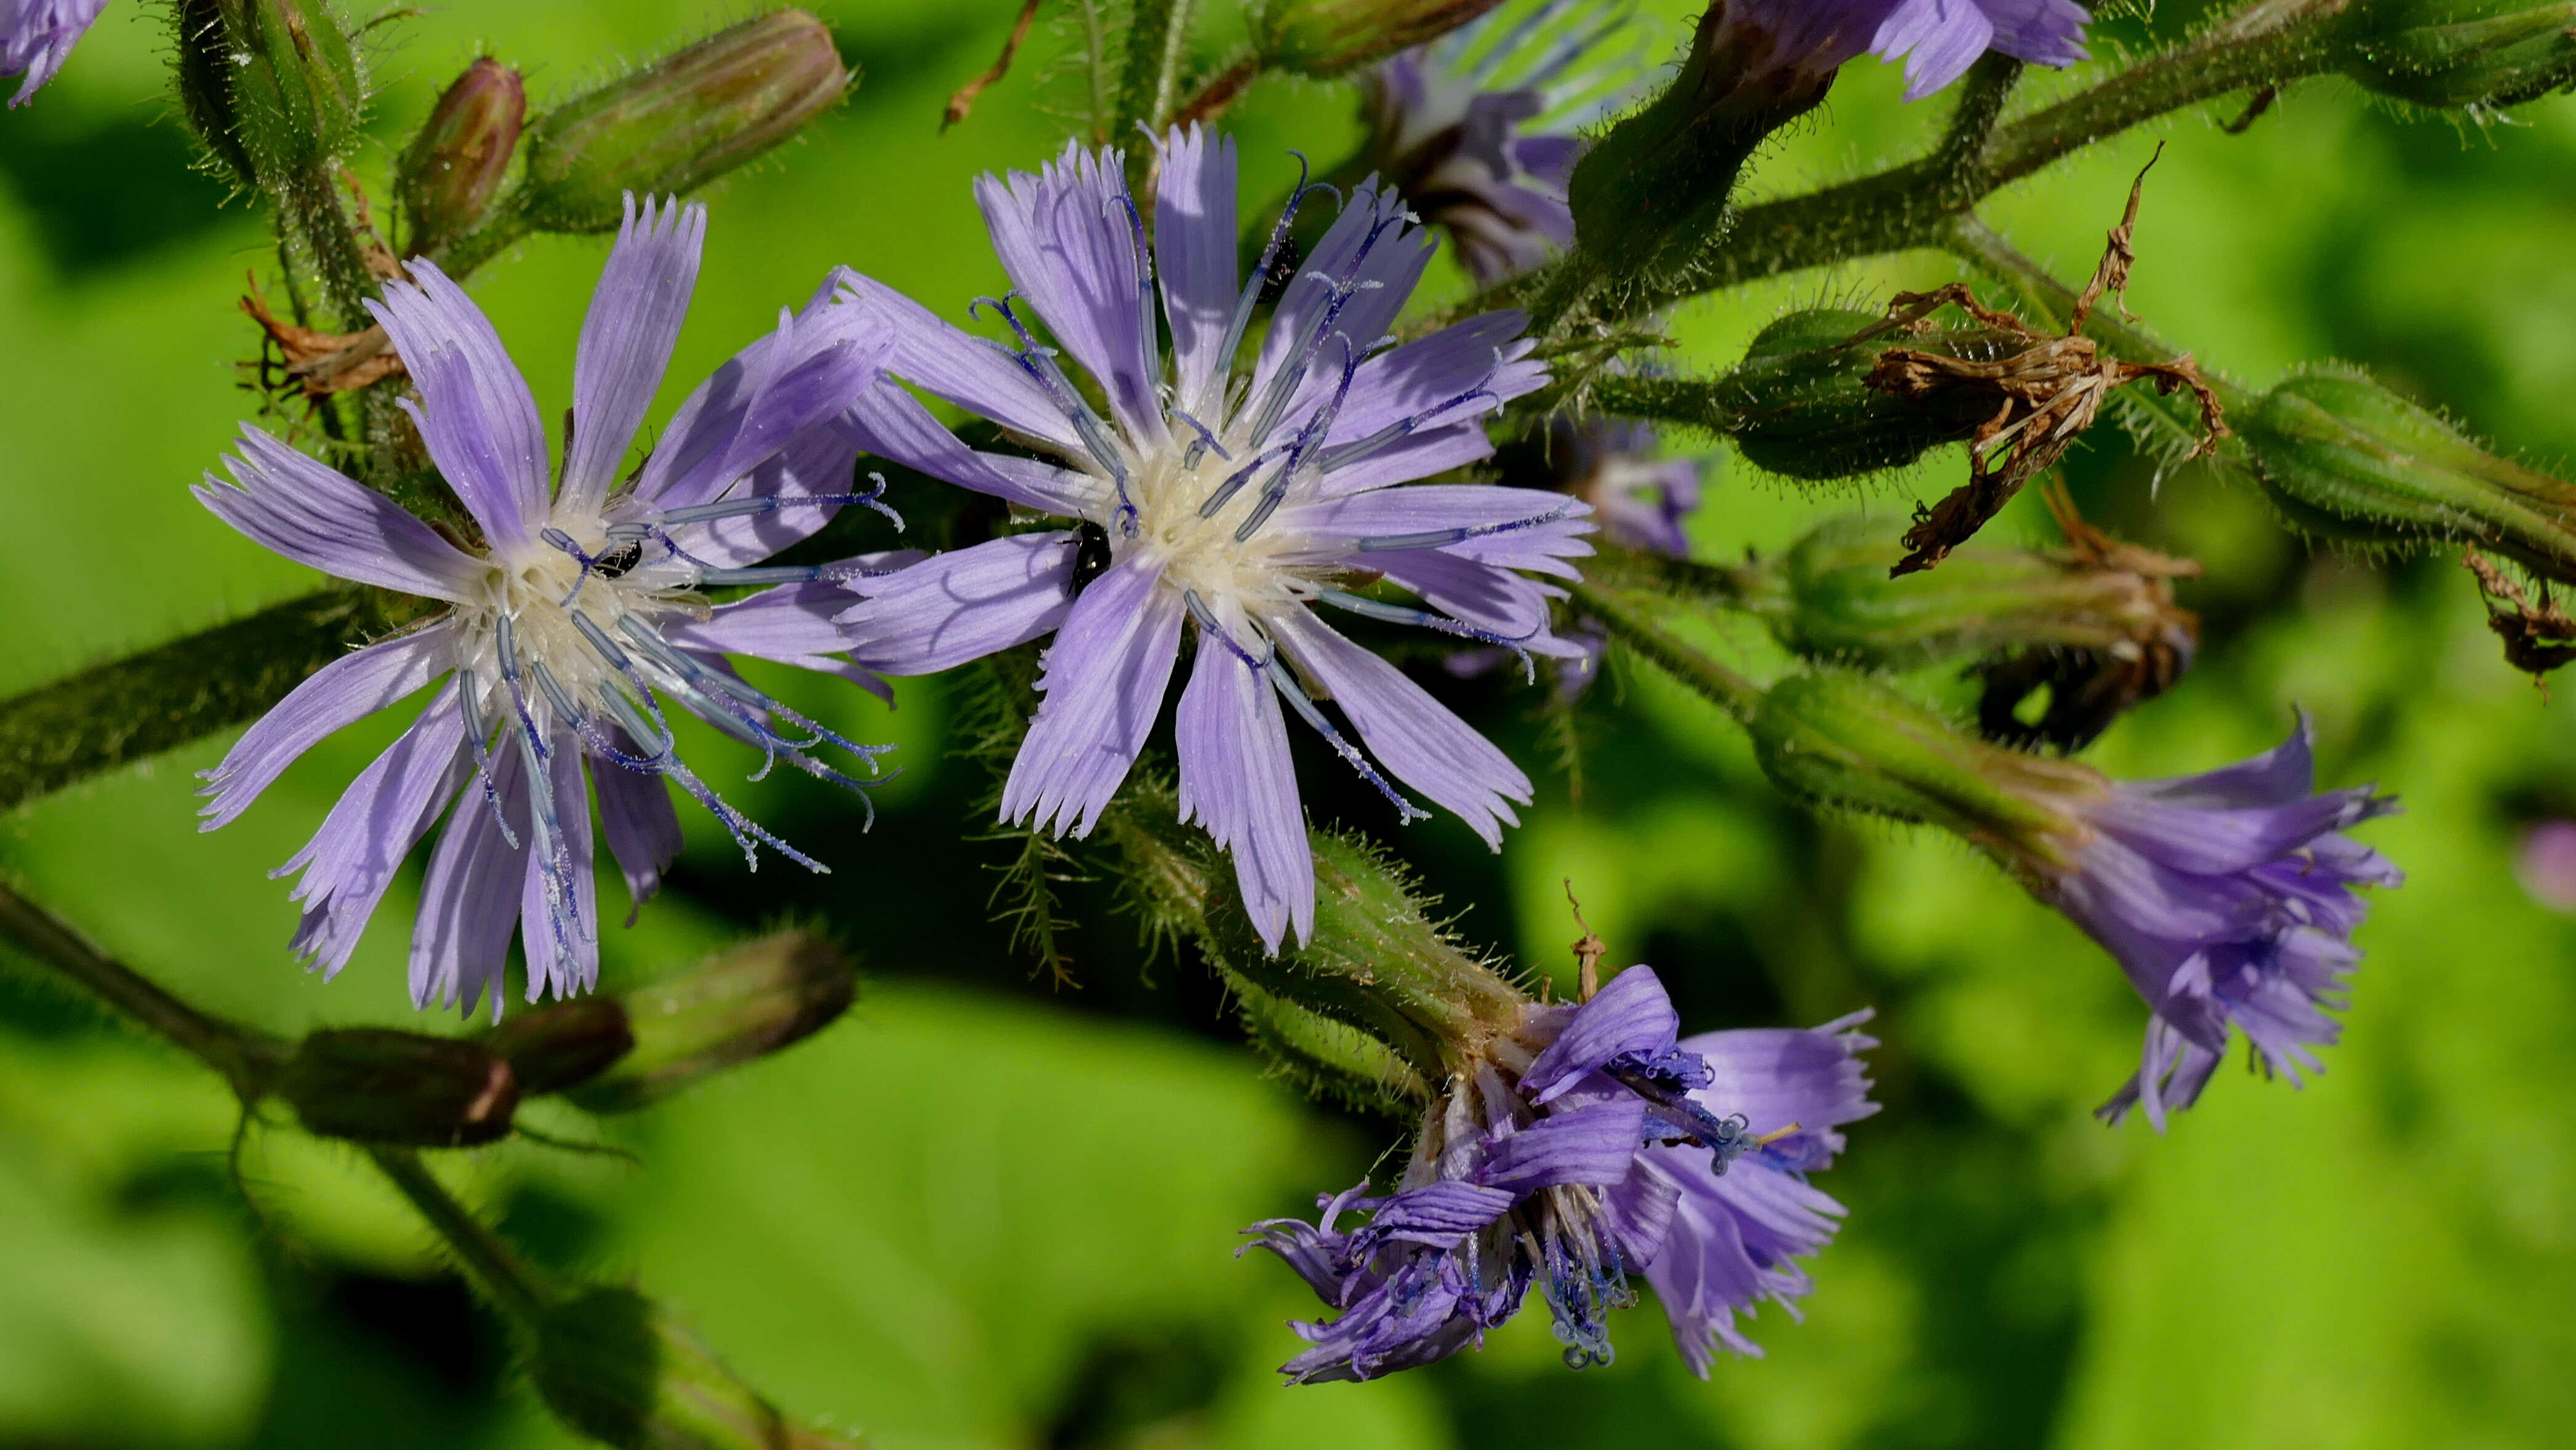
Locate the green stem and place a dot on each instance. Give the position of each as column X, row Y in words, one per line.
column 1631, row 626
column 1615, row 567
column 517, row 1287
column 1157, row 45
column 116, row 713
column 1959, row 162
column 312, row 209
column 248, row 1059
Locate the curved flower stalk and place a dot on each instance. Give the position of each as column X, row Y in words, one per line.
column 1237, row 505
column 1479, row 129
column 1584, row 1146
column 574, row 623
column 2228, row 899
column 37, row 36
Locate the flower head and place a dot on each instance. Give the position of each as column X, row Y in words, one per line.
column 1479, row 130
column 2228, row 899
column 1937, row 39
column 1585, row 1146
column 37, row 36
column 1236, row 505
column 575, row 615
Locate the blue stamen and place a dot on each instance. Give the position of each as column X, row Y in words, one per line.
column 1441, row 538
column 1399, row 614
column 478, row 733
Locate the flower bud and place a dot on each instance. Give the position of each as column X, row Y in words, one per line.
column 274, row 88
column 2462, row 53
column 745, row 1003
column 563, row 1044
column 377, row 1085
column 681, row 122
column 2345, row 458
column 1654, row 188
column 454, row 166
column 1841, row 739
column 1326, row 38
column 619, row 1368
column 1801, row 405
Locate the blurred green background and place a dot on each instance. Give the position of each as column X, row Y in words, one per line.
column 988, row 1211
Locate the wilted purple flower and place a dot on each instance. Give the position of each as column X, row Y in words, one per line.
column 1937, row 39
column 1479, row 130
column 1234, row 504
column 572, row 622
column 1584, row 1146
column 36, row 36
column 2228, row 899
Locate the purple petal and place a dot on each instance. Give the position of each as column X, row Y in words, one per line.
column 1103, row 686
column 891, row 423
column 1631, row 1013
column 796, row 380
column 2215, row 842
column 1237, row 780
column 1436, row 1215
column 971, row 372
column 469, row 902
column 794, row 624
column 1590, row 1145
column 475, row 413
column 1938, row 39
column 37, row 37
column 1367, row 245
column 626, row 341
column 1497, row 601
column 1414, row 735
column 1194, row 242
column 635, row 815
column 1486, row 352
column 2285, row 773
column 1730, row 1246
column 1776, row 1077
column 1436, row 450
column 962, row 605
column 2043, row 32
column 371, row 829
column 818, row 462
column 341, row 693
column 1067, row 240
column 314, row 514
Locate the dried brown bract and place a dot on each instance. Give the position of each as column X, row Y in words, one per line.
column 2537, row 638
column 2046, row 395
column 319, row 364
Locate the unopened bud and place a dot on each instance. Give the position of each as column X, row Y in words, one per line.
column 1653, row 190
column 2345, row 458
column 1841, row 739
column 563, row 1044
column 2462, row 53
column 1801, row 405
column 619, row 1368
column 454, row 166
column 274, row 88
column 377, row 1085
column 1327, row 38
column 682, row 121
column 753, row 1000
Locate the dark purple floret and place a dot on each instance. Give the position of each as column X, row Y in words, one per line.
column 1612, row 1150
column 37, row 36
column 2228, row 898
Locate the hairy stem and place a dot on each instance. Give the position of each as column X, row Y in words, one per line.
column 247, row 1059
column 1158, row 44
column 113, row 714
column 1632, row 626
column 517, row 1287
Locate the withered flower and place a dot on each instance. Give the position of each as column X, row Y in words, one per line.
column 2127, row 643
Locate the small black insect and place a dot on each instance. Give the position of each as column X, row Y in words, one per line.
column 1090, row 556
column 615, row 563
column 1283, row 270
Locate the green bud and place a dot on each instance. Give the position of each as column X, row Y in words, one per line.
column 748, row 1002
column 2462, row 53
column 1328, row 38
column 2345, row 458
column 274, row 88
column 1653, row 190
column 1800, row 405
column 454, row 166
column 563, row 1044
column 1839, row 739
column 377, row 1085
column 619, row 1368
column 681, row 122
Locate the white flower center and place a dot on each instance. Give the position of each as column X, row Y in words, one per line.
column 542, row 591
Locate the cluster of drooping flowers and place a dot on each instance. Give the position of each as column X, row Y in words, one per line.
column 1588, row 1144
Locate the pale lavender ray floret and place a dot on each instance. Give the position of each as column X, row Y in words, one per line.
column 1480, row 129
column 1234, row 505
column 2228, row 899
column 37, row 36
column 574, row 624
column 1937, row 39
column 1590, row 1145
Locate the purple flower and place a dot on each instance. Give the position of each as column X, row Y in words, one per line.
column 1235, row 504
column 1588, row 1144
column 574, row 616
column 2228, row 899
column 1478, row 130
column 2546, row 864
column 1937, row 39
column 37, row 36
